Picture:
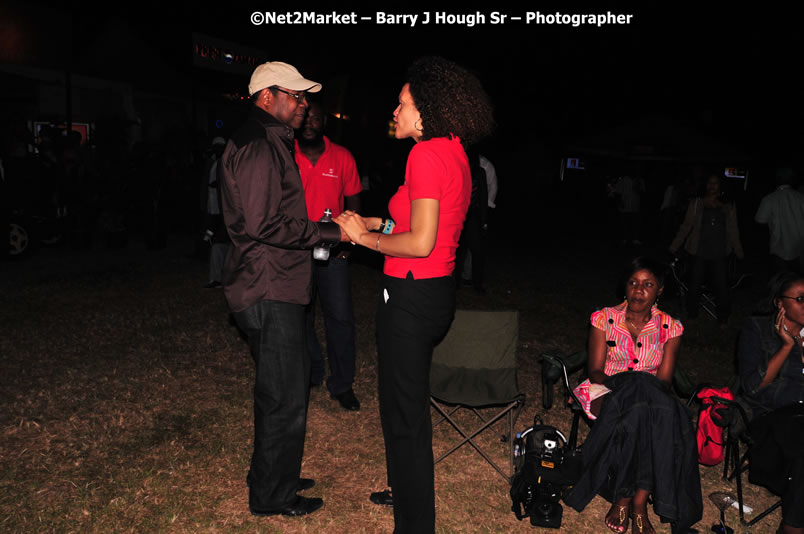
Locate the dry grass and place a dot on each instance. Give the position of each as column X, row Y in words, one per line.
column 126, row 402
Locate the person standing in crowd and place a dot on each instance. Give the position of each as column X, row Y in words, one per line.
column 330, row 180
column 491, row 181
column 472, row 242
column 442, row 107
column 783, row 212
column 709, row 234
column 214, row 232
column 464, row 269
column 266, row 280
column 628, row 191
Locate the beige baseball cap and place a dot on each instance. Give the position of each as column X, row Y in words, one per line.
column 281, row 74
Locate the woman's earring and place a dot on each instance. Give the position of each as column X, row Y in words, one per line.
column 416, row 125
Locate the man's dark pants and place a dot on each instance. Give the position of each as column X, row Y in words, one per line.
column 331, row 283
column 276, row 337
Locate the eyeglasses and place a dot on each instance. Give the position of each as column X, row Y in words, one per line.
column 799, row 299
column 298, row 96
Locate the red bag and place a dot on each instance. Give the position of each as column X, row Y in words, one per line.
column 711, row 426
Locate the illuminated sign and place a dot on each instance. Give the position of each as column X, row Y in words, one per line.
column 85, row 129
column 575, row 163
column 217, row 54
column 734, row 172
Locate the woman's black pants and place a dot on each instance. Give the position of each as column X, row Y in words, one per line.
column 413, row 316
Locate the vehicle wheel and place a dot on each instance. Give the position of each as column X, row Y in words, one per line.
column 20, row 242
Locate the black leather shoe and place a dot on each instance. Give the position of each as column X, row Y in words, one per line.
column 382, row 497
column 348, row 400
column 301, row 506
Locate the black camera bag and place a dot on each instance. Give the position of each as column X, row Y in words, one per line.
column 542, row 474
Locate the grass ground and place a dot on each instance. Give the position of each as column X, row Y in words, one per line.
column 126, row 400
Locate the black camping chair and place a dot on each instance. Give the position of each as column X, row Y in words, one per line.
column 553, row 371
column 475, row 368
column 679, row 267
column 555, row 364
column 734, row 420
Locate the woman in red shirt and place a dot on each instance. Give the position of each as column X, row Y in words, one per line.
column 441, row 107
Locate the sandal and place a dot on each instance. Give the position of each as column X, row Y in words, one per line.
column 617, row 517
column 641, row 523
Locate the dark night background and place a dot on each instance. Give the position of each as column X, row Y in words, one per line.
column 679, row 91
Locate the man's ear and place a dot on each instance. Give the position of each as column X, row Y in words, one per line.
column 265, row 99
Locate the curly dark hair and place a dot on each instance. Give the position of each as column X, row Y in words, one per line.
column 450, row 100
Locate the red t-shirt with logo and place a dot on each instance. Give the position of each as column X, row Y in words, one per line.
column 438, row 169
column 333, row 177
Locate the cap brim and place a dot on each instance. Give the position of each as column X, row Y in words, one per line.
column 302, row 84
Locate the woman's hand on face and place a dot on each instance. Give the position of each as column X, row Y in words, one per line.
column 781, row 329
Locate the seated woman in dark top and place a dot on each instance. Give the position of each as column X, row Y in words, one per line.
column 772, row 380
column 642, row 442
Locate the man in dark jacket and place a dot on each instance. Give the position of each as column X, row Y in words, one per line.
column 267, row 280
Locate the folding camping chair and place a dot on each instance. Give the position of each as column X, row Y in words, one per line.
column 735, row 421
column 556, row 363
column 678, row 268
column 475, row 367
column 558, row 366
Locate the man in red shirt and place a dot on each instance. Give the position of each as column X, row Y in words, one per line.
column 330, row 180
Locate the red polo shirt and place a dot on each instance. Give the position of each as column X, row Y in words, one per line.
column 438, row 169
column 333, row 177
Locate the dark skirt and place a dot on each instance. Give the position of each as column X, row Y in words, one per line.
column 777, row 458
column 643, row 439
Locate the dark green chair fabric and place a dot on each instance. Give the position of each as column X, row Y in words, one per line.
column 476, row 363
column 475, row 367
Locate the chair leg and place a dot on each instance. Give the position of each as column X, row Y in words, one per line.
column 573, row 439
column 547, row 385
column 727, row 459
column 469, row 438
column 442, row 418
column 708, row 304
column 735, row 454
column 760, row 516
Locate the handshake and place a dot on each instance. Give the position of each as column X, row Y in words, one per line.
column 357, row 229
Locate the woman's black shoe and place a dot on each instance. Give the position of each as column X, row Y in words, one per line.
column 382, row 497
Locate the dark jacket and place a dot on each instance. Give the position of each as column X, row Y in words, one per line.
column 266, row 217
column 758, row 343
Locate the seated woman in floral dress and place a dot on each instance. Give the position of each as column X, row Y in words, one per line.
column 642, row 442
